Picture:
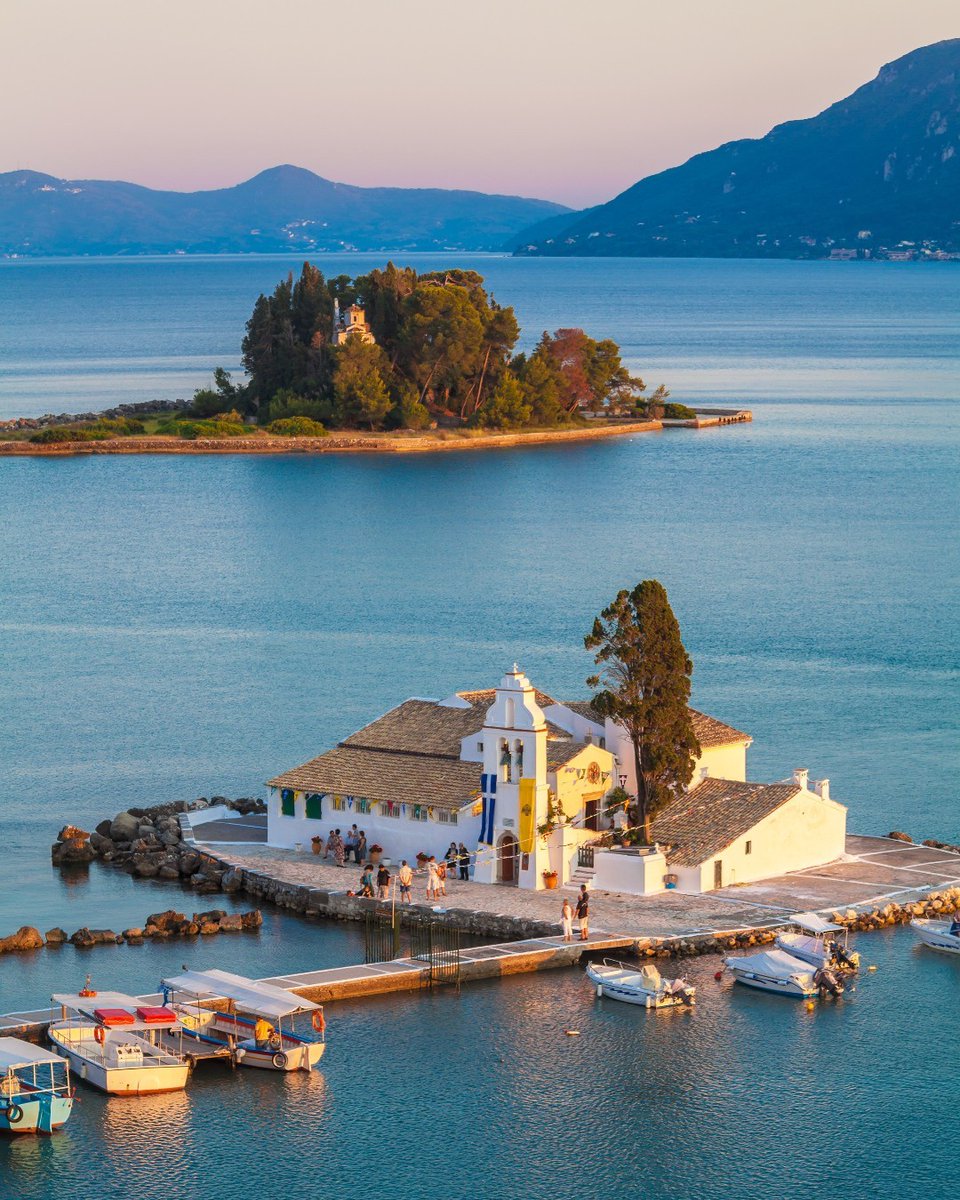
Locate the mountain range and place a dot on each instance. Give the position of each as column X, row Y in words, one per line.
column 880, row 168
column 282, row 209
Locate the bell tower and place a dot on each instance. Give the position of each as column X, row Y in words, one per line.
column 514, row 786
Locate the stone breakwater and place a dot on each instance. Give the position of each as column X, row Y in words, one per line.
column 148, row 843
column 168, row 924
column 145, row 408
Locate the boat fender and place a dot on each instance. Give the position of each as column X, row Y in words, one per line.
column 871, row 968
column 99, row 1034
column 718, row 975
column 572, row 1032
column 280, row 1060
column 319, row 1024
column 13, row 1113
column 275, row 1042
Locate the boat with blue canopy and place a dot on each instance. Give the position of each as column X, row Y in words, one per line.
column 36, row 1095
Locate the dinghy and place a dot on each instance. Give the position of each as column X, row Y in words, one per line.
column 819, row 943
column 116, row 1043
column 35, row 1091
column 774, row 971
column 645, row 986
column 249, row 1004
column 936, row 935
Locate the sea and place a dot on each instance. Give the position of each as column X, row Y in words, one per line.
column 182, row 627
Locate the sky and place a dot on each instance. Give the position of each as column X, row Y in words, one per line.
column 569, row 100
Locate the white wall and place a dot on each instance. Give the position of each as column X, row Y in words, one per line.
column 722, row 762
column 401, row 837
column 635, row 874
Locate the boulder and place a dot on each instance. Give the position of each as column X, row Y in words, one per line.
column 73, row 850
column 104, row 828
column 170, row 837
column 214, row 914
column 168, row 871
column 232, row 923
column 146, row 868
column 105, row 937
column 189, row 863
column 253, row 919
column 146, row 829
column 898, row 836
column 124, row 827
column 101, row 843
column 26, row 938
column 166, row 920
column 83, row 939
column 232, row 880
column 69, row 832
column 134, row 934
column 55, row 937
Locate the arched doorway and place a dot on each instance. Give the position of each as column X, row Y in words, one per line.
column 508, row 850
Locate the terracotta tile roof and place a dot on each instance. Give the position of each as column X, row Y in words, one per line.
column 484, row 697
column 559, row 753
column 406, row 777
column 714, row 814
column 420, row 727
column 709, row 731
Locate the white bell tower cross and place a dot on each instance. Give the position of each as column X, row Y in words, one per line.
column 514, row 786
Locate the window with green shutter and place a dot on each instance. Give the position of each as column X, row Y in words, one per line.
column 286, row 802
column 315, row 805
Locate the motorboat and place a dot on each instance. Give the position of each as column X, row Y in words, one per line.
column 645, row 986
column 936, row 934
column 247, row 1016
column 820, row 943
column 36, row 1095
column 775, row 971
column 119, row 1044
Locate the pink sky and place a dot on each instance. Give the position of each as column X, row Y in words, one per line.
column 564, row 99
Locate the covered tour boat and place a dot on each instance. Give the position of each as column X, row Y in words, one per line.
column 820, row 943
column 937, row 935
column 119, row 1044
column 35, row 1091
column 644, row 986
column 775, row 971
column 248, row 1017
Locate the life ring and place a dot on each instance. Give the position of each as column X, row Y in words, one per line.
column 14, row 1114
column 275, row 1041
column 319, row 1024
column 280, row 1060
column 99, row 1034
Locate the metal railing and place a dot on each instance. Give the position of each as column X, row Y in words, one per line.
column 585, row 856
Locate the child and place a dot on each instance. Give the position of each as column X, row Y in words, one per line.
column 566, row 920
column 383, row 883
column 405, row 879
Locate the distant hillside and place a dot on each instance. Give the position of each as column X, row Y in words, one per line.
column 285, row 208
column 876, row 169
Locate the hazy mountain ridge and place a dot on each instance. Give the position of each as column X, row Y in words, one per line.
column 281, row 209
column 878, row 168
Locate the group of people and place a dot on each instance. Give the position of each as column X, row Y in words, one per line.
column 342, row 847
column 375, row 879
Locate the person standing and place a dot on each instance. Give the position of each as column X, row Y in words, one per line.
column 383, row 883
column 433, row 879
column 583, row 912
column 450, row 858
column 464, row 858
column 566, row 919
column 338, row 848
column 331, row 844
column 361, row 847
column 405, row 879
column 442, row 879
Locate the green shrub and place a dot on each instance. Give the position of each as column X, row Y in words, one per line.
column 678, row 412
column 191, row 430
column 297, row 427
column 66, row 433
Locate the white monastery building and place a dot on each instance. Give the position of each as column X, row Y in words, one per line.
column 521, row 780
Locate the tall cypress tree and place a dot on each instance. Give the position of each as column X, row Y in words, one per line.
column 645, row 687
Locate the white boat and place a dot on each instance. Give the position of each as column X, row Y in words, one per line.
column 645, row 986
column 775, row 971
column 936, row 935
column 249, row 1003
column 35, row 1091
column 115, row 1043
column 820, row 943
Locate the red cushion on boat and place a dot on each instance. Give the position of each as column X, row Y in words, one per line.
column 155, row 1014
column 114, row 1016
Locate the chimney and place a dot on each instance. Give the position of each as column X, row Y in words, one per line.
column 800, row 777
column 822, row 788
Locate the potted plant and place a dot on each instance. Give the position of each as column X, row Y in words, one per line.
column 375, row 851
column 315, row 843
column 550, row 879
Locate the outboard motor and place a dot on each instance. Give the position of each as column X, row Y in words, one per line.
column 843, row 959
column 827, row 982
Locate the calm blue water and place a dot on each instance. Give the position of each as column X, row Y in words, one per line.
column 172, row 628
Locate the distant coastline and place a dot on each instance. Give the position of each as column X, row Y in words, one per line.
column 400, row 442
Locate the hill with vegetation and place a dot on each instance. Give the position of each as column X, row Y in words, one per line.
column 875, row 173
column 282, row 209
